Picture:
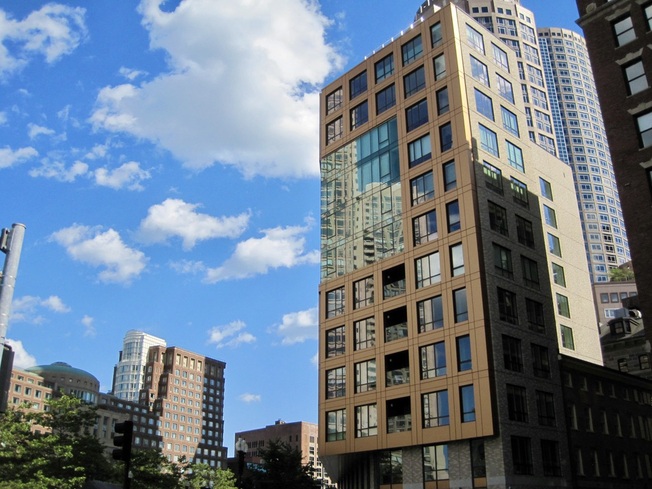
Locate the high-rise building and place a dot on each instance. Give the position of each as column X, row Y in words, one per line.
column 453, row 268
column 186, row 391
column 128, row 374
column 618, row 35
column 566, row 61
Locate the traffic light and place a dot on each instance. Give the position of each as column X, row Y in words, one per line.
column 123, row 438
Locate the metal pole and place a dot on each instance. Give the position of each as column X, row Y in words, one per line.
column 12, row 249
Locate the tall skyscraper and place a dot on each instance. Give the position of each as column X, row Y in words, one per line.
column 128, row 374
column 618, row 36
column 453, row 268
column 566, row 61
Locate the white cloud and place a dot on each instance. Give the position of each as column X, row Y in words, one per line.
column 249, row 398
column 230, row 335
column 315, row 359
column 3, row 118
column 102, row 249
column 298, row 327
column 22, row 359
column 188, row 266
column 131, row 74
column 241, row 87
column 58, row 171
column 97, row 151
column 30, row 309
column 89, row 326
column 53, row 31
column 10, row 157
column 34, row 130
column 128, row 175
column 176, row 218
column 279, row 247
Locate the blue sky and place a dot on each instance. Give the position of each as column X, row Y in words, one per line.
column 164, row 158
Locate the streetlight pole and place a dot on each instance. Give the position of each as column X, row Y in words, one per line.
column 241, row 448
column 11, row 243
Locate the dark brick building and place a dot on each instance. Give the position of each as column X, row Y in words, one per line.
column 618, row 33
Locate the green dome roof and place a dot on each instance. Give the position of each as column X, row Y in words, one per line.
column 62, row 369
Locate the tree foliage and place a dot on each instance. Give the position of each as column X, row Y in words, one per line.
column 283, row 468
column 621, row 274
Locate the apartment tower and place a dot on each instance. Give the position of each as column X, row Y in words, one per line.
column 618, row 36
column 129, row 373
column 453, row 269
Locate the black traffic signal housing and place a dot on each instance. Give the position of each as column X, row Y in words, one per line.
column 123, row 439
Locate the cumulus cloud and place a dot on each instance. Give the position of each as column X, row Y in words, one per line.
column 129, row 175
column 230, row 335
column 176, row 218
column 298, row 327
column 235, row 71
column 10, row 157
column 249, row 398
column 89, row 326
column 131, row 74
column 31, row 309
column 53, row 31
column 57, row 170
column 22, row 359
column 102, row 249
column 34, row 131
column 279, row 247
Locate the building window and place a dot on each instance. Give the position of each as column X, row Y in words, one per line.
column 460, row 305
column 505, row 89
column 624, row 31
column 484, row 105
column 500, row 57
column 512, row 354
column 335, row 302
column 546, row 188
column 507, row 306
column 488, row 141
column 475, row 39
column 522, row 455
column 457, row 260
column 524, row 232
column 414, row 82
column 399, row 415
column 430, row 314
column 419, row 151
column 335, row 342
column 433, row 360
column 515, row 157
column 336, row 383
column 363, row 292
column 503, row 261
column 550, row 216
column 567, row 340
column 365, row 376
column 336, row 425
column 384, row 68
column 427, row 270
column 546, row 408
column 416, row 115
column 435, row 409
column 446, row 136
column 644, row 124
column 443, row 104
column 535, row 316
column 359, row 115
column 425, row 227
column 563, row 307
column 357, row 85
column 393, row 281
column 422, row 188
column 395, row 324
column 498, row 218
column 493, row 177
column 435, row 463
column 479, row 71
column 550, row 458
column 604, row 298
column 517, row 403
column 450, row 176
column 453, row 216
column 366, row 421
column 334, row 130
column 644, row 362
column 411, row 50
column 440, row 67
column 554, row 245
column 519, row 192
column 635, row 77
column 385, row 99
column 464, row 360
column 365, row 333
column 467, row 401
column 334, row 101
column 510, row 121
column 391, row 467
column 540, row 361
column 530, row 272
